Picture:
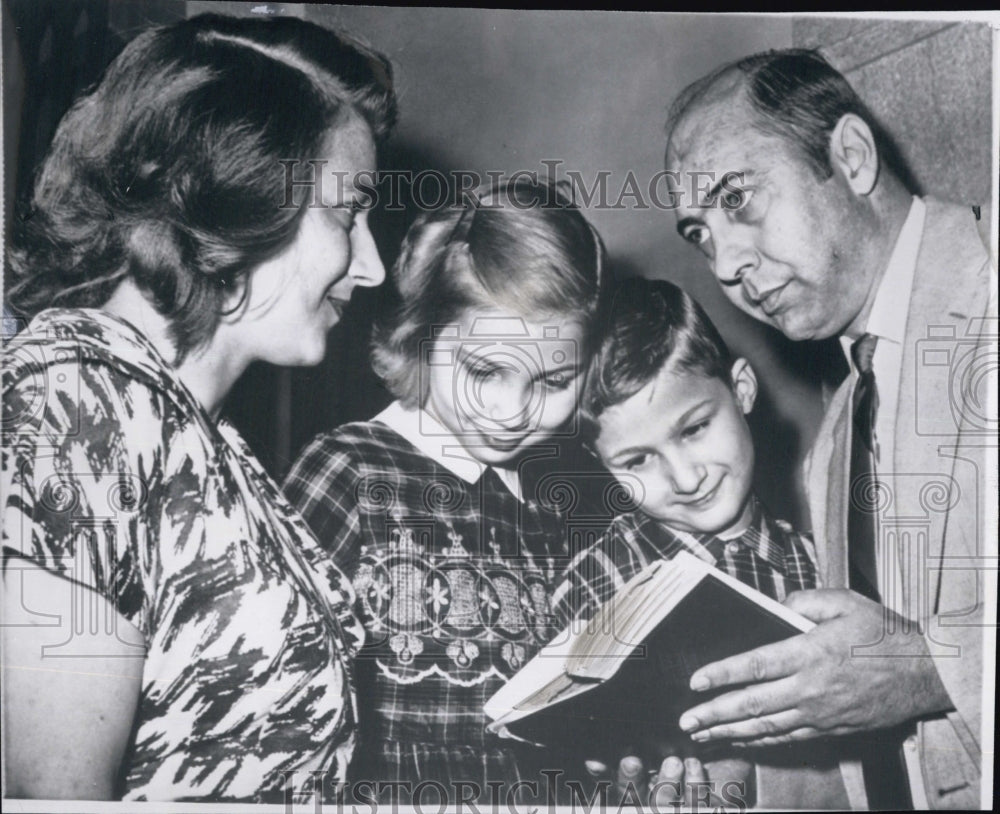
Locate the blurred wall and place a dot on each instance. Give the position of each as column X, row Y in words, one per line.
column 502, row 91
column 929, row 83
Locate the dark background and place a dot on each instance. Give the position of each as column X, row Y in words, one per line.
column 491, row 90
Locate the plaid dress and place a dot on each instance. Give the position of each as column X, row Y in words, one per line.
column 115, row 478
column 453, row 581
column 769, row 556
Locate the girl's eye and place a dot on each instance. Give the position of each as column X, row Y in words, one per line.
column 482, row 371
column 557, row 381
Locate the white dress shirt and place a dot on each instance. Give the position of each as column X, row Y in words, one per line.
column 887, row 321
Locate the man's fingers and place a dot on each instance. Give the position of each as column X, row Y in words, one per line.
column 766, row 726
column 823, row 604
column 695, row 783
column 801, row 734
column 630, row 772
column 763, row 664
column 749, row 703
column 668, row 785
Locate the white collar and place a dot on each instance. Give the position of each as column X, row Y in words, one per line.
column 890, row 307
column 439, row 444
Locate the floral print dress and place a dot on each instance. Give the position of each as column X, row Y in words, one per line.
column 116, row 479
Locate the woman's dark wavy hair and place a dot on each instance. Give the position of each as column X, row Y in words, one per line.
column 518, row 246
column 650, row 324
column 169, row 170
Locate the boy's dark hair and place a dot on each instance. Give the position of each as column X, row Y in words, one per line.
column 650, row 324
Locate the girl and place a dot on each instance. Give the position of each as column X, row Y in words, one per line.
column 423, row 506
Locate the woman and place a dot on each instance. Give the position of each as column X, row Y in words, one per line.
column 202, row 643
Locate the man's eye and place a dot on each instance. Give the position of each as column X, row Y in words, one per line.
column 735, row 199
column 697, row 235
column 743, row 204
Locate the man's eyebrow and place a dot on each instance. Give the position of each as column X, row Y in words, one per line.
column 713, row 193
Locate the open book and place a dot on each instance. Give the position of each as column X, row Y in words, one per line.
column 627, row 669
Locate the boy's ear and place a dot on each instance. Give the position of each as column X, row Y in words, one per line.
column 854, row 154
column 744, row 384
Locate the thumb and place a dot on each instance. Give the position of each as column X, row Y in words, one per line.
column 823, row 604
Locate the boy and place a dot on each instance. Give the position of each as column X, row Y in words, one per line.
column 665, row 409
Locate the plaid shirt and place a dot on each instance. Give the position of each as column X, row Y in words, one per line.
column 769, row 556
column 453, row 581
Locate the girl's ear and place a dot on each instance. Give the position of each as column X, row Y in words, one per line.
column 744, row 384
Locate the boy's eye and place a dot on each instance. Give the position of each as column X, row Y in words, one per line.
column 694, row 430
column 635, row 461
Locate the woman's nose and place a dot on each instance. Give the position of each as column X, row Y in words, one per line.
column 366, row 266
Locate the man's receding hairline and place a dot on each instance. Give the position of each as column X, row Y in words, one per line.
column 730, row 84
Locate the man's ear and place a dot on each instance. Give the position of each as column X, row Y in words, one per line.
column 853, row 153
column 744, row 384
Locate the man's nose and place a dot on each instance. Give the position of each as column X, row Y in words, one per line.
column 735, row 257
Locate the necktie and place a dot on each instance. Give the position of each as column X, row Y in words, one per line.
column 886, row 781
column 862, row 518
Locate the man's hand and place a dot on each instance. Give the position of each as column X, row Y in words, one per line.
column 713, row 784
column 848, row 674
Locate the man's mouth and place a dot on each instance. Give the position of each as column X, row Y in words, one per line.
column 769, row 302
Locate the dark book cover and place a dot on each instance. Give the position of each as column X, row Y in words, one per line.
column 640, row 705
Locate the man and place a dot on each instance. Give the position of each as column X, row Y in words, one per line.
column 809, row 229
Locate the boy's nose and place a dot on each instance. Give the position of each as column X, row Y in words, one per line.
column 686, row 477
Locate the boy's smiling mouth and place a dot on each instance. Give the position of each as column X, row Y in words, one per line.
column 705, row 499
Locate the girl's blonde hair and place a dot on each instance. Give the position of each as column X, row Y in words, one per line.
column 516, row 246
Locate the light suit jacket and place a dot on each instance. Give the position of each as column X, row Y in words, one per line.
column 934, row 520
